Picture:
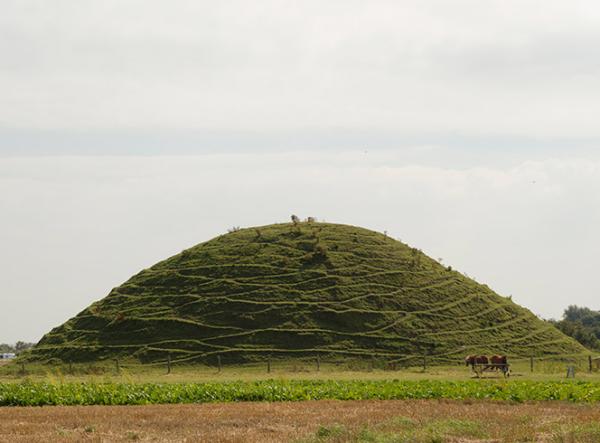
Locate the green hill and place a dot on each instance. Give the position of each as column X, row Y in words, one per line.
column 298, row 290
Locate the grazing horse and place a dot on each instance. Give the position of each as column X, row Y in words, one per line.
column 480, row 364
column 498, row 362
column 472, row 360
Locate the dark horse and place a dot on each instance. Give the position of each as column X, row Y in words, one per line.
column 480, row 363
column 498, row 362
column 472, row 360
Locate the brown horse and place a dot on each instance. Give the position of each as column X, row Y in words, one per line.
column 472, row 360
column 498, row 362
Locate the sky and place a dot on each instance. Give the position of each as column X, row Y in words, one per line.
column 131, row 130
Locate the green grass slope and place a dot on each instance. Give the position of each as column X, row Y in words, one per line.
column 301, row 290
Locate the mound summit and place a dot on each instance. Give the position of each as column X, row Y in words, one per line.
column 298, row 290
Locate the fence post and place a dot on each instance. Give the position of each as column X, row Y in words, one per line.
column 169, row 364
column 318, row 362
column 590, row 363
column 269, row 364
column 219, row 362
column 22, row 368
column 71, row 367
column 424, row 362
column 117, row 366
column 531, row 363
column 372, row 363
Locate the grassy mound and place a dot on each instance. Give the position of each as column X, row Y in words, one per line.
column 301, row 290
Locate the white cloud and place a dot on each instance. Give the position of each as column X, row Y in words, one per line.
column 496, row 67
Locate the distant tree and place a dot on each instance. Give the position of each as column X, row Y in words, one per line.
column 20, row 346
column 575, row 313
column 295, row 219
column 583, row 324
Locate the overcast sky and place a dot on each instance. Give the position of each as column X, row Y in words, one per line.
column 130, row 130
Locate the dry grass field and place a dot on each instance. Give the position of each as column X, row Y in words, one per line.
column 326, row 421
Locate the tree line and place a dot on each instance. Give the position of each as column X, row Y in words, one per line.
column 18, row 347
column 581, row 323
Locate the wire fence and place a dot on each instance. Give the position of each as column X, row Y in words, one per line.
column 300, row 365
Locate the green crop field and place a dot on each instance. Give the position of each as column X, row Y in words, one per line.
column 43, row 393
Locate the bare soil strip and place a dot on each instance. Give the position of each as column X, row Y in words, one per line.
column 304, row 421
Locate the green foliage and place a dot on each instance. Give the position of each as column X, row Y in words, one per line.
column 297, row 290
column 41, row 393
column 19, row 347
column 582, row 324
column 327, row 432
column 405, row 430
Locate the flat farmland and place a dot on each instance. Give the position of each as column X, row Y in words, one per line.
column 319, row 421
column 440, row 404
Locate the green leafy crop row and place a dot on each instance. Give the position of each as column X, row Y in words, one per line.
column 42, row 393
